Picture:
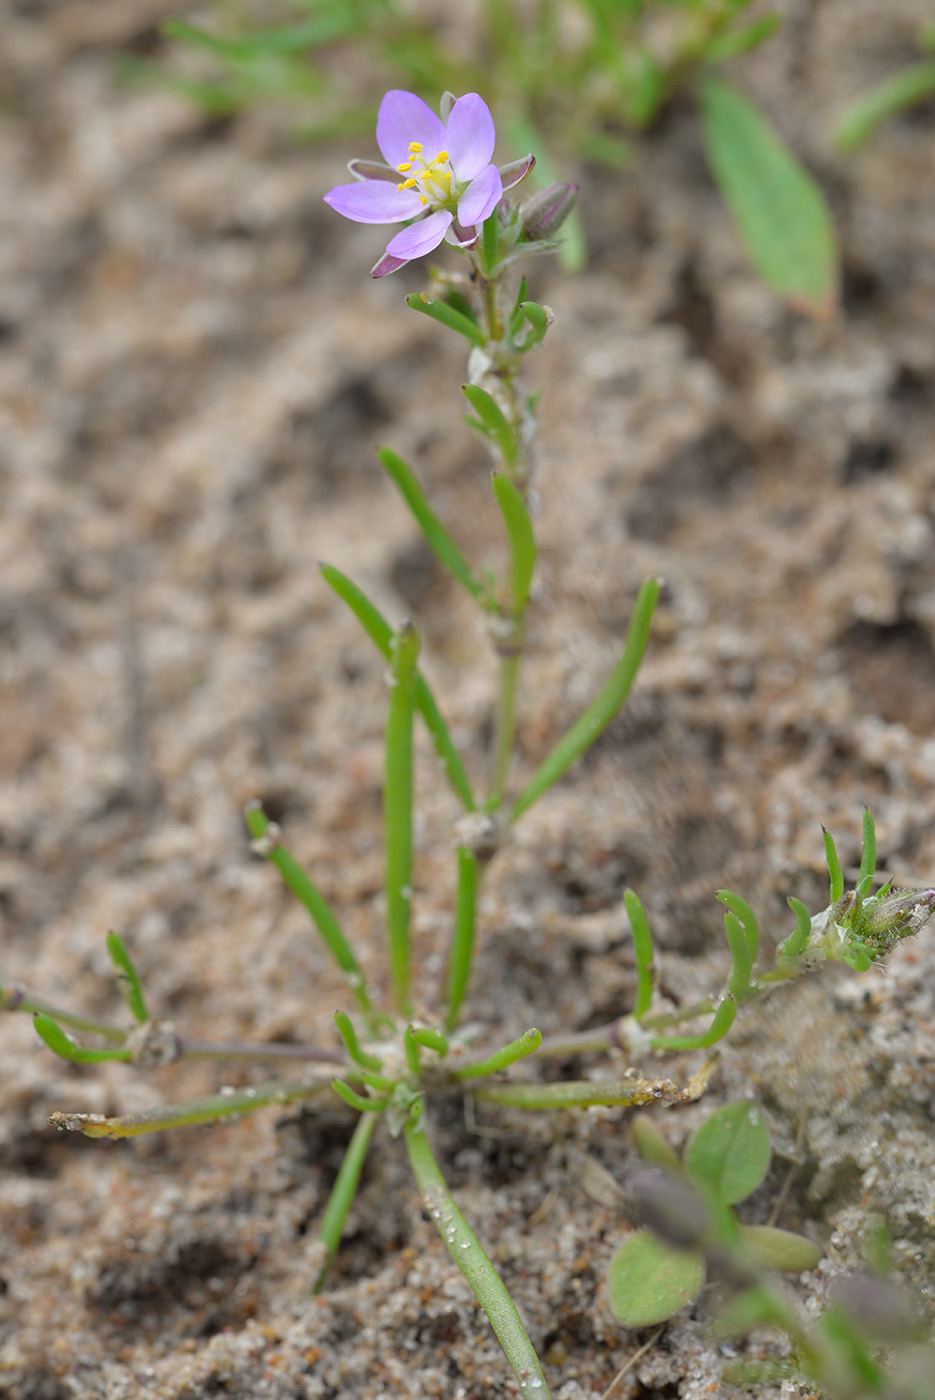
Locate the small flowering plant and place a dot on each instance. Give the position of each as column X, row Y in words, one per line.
column 407, row 1044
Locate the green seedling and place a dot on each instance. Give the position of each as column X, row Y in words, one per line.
column 692, row 1229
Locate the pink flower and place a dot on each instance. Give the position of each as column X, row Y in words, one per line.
column 438, row 174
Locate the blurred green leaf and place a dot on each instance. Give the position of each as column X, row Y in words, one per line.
column 779, row 1249
column 779, row 210
column 886, row 100
column 648, row 1282
column 729, row 1153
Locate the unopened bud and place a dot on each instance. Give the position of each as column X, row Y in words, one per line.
column 544, row 213
column 670, row 1207
column 876, row 1305
column 885, row 921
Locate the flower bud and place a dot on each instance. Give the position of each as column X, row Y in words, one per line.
column 885, row 921
column 544, row 213
column 670, row 1207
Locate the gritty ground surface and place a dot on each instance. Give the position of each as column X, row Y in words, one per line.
column 194, row 370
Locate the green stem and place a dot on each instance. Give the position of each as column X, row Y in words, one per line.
column 468, row 1254
column 397, row 808
column 578, row 1093
column 505, row 723
column 15, row 999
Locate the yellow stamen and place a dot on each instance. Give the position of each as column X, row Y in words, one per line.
column 404, row 167
column 407, row 185
column 422, row 199
column 415, row 147
column 442, row 156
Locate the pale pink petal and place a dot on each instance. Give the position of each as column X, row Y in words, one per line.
column 403, row 117
column 481, row 197
column 374, row 202
column 471, row 136
column 420, row 237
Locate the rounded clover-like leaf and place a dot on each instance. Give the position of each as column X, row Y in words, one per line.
column 729, row 1154
column 648, row 1282
column 779, row 1249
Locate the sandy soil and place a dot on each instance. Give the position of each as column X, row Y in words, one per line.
column 194, row 370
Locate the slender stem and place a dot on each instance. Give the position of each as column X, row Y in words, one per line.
column 16, row 999
column 343, row 1192
column 397, row 808
column 505, row 725
column 579, row 1093
column 468, row 1254
column 271, row 1050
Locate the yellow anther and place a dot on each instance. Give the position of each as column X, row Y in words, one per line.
column 415, row 147
column 407, row 185
column 404, row 167
column 422, row 199
column 442, row 156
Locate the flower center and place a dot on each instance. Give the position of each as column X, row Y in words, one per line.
column 432, row 178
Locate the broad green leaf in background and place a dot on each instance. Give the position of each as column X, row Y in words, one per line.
column 780, row 211
column 648, row 1282
column 729, row 1153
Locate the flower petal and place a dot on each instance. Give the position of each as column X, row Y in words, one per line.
column 514, row 171
column 403, row 117
column 471, row 136
column 374, row 202
column 387, row 264
column 481, row 197
column 420, row 237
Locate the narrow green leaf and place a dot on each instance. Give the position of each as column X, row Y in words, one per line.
column 352, row 1045
column 265, row 842
column 522, row 540
column 747, row 917
column 381, row 633
column 430, row 1040
column 343, row 1192
column 468, row 1254
column 740, row 956
column 355, row 1100
column 648, row 1282
column 886, row 100
column 127, row 976
column 721, row 1023
column 462, row 944
column 868, row 855
column 437, row 537
column 602, row 710
column 642, row 951
column 63, row 1045
column 799, row 938
column 779, row 1249
column 447, row 316
column 652, row 1146
column 527, row 1043
column 495, row 421
column 779, row 209
column 738, row 41
column 490, row 241
column 834, row 866
column 397, row 806
column 575, row 1093
column 729, row 1154
column 209, row 1109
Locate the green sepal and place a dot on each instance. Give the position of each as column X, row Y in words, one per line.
column 446, row 315
column 63, row 1045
